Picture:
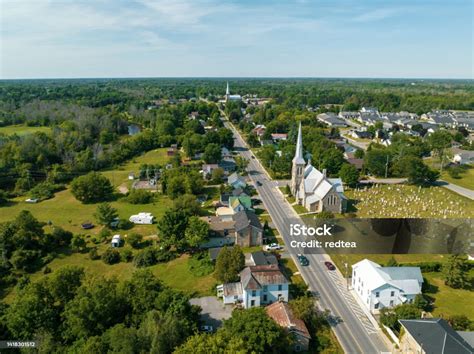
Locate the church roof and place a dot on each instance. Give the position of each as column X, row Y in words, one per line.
column 298, row 159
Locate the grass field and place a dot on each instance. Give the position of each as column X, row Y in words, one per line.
column 22, row 130
column 119, row 175
column 447, row 301
column 175, row 274
column 65, row 211
column 408, row 201
column 466, row 179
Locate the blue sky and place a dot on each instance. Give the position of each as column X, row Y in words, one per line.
column 180, row 38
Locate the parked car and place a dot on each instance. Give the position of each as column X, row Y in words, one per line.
column 329, row 266
column 32, row 200
column 273, row 247
column 259, row 183
column 253, row 157
column 87, row 225
column 207, row 329
column 303, row 260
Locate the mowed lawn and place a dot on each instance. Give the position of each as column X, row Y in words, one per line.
column 65, row 211
column 447, row 301
column 393, row 201
column 119, row 175
column 466, row 179
column 22, row 130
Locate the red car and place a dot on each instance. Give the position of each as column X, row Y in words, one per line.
column 329, row 266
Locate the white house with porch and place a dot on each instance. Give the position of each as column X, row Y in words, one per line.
column 379, row 287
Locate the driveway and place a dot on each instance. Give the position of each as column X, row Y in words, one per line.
column 213, row 310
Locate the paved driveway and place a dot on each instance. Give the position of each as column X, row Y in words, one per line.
column 213, row 310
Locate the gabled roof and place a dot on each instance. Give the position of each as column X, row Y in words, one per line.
column 435, row 335
column 262, row 258
column 234, row 178
column 407, row 279
column 255, row 277
column 245, row 218
column 282, row 314
column 244, row 200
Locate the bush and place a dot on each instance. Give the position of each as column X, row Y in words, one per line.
column 139, row 196
column 3, row 197
column 426, row 267
column 151, row 256
column 111, row 256
column 126, row 255
column 93, row 254
column 47, row 270
column 92, row 188
column 45, row 190
column 200, row 264
column 135, row 240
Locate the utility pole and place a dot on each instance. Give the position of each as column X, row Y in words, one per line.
column 386, row 168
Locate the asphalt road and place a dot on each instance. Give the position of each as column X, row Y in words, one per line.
column 351, row 332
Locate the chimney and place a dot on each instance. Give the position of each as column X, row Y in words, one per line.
column 324, row 172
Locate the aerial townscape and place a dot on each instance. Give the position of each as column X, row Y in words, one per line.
column 236, row 177
column 161, row 222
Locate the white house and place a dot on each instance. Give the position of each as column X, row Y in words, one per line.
column 463, row 157
column 258, row 285
column 116, row 241
column 380, row 287
column 142, row 218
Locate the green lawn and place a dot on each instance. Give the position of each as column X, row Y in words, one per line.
column 119, row 175
column 22, row 130
column 466, row 179
column 408, row 201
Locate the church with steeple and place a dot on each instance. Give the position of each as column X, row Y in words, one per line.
column 311, row 187
column 229, row 97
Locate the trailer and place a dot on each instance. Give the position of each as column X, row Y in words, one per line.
column 142, row 218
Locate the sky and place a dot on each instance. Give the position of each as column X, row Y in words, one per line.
column 217, row 38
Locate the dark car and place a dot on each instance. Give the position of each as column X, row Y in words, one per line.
column 329, row 266
column 303, row 260
column 87, row 226
column 259, row 183
column 253, row 157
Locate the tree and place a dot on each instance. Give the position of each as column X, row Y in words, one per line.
column 259, row 333
column 287, row 190
column 3, row 197
column 359, row 154
column 64, row 283
column 241, row 163
column 212, row 153
column 229, row 263
column 460, row 323
column 439, row 141
column 111, row 256
column 135, row 240
column 31, row 311
column 456, row 271
column 187, row 203
column 377, row 161
column 197, row 232
column 172, row 227
column 139, row 196
column 349, row 174
column 415, row 169
column 217, row 175
column 78, row 243
column 421, row 302
column 105, row 214
column 98, row 305
column 91, row 188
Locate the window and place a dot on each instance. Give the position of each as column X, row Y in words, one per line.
column 252, row 303
column 297, row 348
column 254, row 293
column 280, row 287
column 376, row 306
column 265, row 298
column 265, row 288
column 377, row 294
column 391, row 302
column 392, row 293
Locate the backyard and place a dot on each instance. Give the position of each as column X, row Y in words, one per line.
column 22, row 130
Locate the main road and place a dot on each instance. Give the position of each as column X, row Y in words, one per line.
column 354, row 334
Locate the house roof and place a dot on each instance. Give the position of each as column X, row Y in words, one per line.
column 234, row 178
column 281, row 313
column 222, row 211
column 232, row 289
column 407, row 279
column 216, row 224
column 436, row 336
column 262, row 258
column 255, row 277
column 245, row 200
column 245, row 218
